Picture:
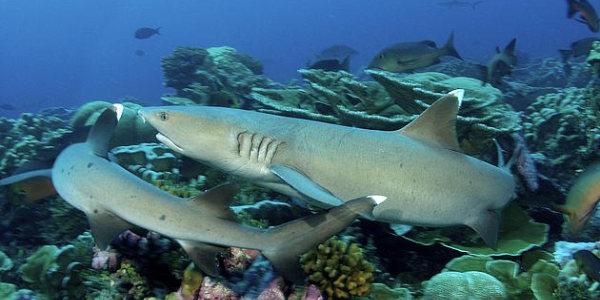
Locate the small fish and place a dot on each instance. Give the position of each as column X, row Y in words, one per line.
column 339, row 52
column 140, row 52
column 146, row 32
column 500, row 65
column 7, row 106
column 588, row 263
column 578, row 48
column 587, row 13
column 405, row 57
column 582, row 199
column 332, row 65
column 458, row 3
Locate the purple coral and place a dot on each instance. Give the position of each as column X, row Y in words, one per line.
column 273, row 291
column 237, row 260
column 312, row 292
column 525, row 163
column 214, row 290
column 105, row 260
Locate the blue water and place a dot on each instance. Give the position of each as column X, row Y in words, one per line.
column 66, row 52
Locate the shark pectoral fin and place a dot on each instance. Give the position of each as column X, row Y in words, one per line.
column 102, row 131
column 305, row 186
column 203, row 255
column 437, row 124
column 105, row 227
column 292, row 239
column 31, row 186
column 217, row 200
column 487, row 225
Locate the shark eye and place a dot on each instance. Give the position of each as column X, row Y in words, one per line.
column 163, row 116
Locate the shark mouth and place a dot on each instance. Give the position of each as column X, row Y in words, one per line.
column 165, row 140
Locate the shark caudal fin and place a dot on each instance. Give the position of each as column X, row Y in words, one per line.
column 487, row 225
column 291, row 240
column 102, row 131
column 31, row 186
column 449, row 47
column 571, row 8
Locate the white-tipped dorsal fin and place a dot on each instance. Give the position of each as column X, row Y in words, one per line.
column 437, row 124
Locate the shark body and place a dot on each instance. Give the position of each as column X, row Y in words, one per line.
column 420, row 169
column 115, row 200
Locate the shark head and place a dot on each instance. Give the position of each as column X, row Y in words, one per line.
column 199, row 132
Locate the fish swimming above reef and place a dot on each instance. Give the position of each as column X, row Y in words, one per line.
column 114, row 200
column 582, row 199
column 7, row 106
column 406, row 57
column 146, row 32
column 139, row 52
column 578, row 48
column 420, row 168
column 587, row 13
column 589, row 263
column 334, row 58
column 500, row 65
column 458, row 3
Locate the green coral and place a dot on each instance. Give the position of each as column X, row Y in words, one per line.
column 593, row 58
column 130, row 130
column 150, row 161
column 539, row 280
column 465, row 285
column 339, row 269
column 6, row 263
column 131, row 282
column 380, row 291
column 518, row 233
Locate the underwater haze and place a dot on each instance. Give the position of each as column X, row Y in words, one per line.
column 62, row 53
column 304, row 150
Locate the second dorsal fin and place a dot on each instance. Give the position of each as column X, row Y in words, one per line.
column 102, row 131
column 437, row 124
column 217, row 200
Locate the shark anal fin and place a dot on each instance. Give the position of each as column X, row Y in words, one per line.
column 297, row 237
column 105, row 227
column 203, row 255
column 305, row 186
column 216, row 201
column 102, row 131
column 31, row 186
column 437, row 124
column 487, row 225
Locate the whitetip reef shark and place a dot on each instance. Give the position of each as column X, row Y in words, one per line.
column 114, row 200
column 420, row 168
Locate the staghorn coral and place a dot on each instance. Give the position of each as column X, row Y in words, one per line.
column 339, row 269
column 518, row 233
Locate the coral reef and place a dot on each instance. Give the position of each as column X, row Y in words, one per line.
column 216, row 76
column 339, row 269
column 150, row 161
column 518, row 233
column 464, row 285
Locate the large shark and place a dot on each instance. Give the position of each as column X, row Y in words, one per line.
column 114, row 200
column 420, row 168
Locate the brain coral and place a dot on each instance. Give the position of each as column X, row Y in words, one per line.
column 468, row 285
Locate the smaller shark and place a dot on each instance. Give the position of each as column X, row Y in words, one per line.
column 114, row 200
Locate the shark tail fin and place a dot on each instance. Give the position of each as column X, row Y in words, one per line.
column 565, row 54
column 487, row 225
column 295, row 238
column 484, row 75
column 449, row 47
column 31, row 186
column 102, row 131
column 510, row 48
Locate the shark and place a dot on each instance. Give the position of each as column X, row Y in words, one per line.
column 420, row 168
column 114, row 200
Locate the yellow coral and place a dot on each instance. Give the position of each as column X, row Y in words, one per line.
column 177, row 189
column 191, row 281
column 339, row 269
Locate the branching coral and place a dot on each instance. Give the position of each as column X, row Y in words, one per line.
column 339, row 269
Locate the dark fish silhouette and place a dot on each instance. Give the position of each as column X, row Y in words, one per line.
column 405, row 57
column 587, row 13
column 589, row 263
column 140, row 52
column 7, row 106
column 578, row 48
column 458, row 3
column 339, row 52
column 146, row 32
column 500, row 65
column 332, row 65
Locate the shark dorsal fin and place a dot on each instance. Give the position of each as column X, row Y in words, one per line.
column 102, row 131
column 217, row 200
column 437, row 124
